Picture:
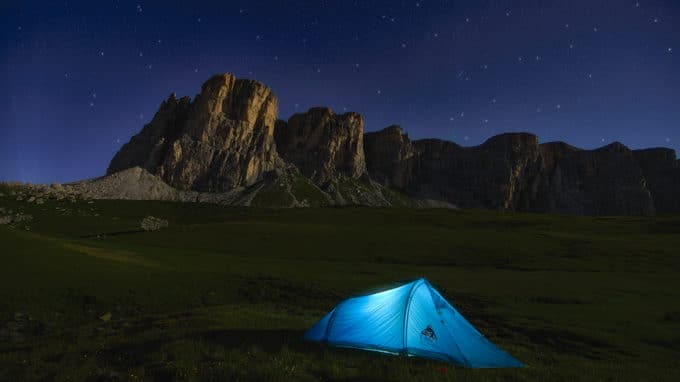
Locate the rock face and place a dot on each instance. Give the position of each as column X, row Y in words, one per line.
column 149, row 148
column 222, row 140
column 391, row 156
column 323, row 144
column 487, row 176
column 605, row 181
column 227, row 146
column 514, row 172
column 491, row 175
column 661, row 170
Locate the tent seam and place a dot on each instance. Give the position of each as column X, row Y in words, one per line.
column 406, row 311
column 330, row 322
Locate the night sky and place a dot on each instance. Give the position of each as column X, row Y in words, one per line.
column 79, row 78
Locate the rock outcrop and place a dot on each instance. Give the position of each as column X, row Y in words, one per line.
column 604, row 181
column 391, row 156
column 323, row 144
column 661, row 170
column 222, row 140
column 514, row 172
column 228, row 146
column 149, row 148
column 491, row 175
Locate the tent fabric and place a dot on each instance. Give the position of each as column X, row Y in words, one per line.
column 414, row 320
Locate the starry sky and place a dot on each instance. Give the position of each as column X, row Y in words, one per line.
column 79, row 78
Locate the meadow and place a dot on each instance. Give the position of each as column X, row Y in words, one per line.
column 226, row 293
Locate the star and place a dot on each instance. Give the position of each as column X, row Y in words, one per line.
column 538, row 109
column 538, row 58
column 508, row 13
column 558, row 106
column 198, row 19
column 149, row 66
column 417, row 5
column 493, row 100
column 451, row 119
column 590, row 75
column 436, row 35
column 520, row 59
column 656, row 21
column 196, row 70
column 379, row 91
column 467, row 19
column 571, row 46
column 141, row 54
column 667, row 139
column 101, row 53
column 139, row 8
column 462, row 114
column 276, row 58
column 160, row 41
column 356, row 65
column 91, row 104
column 403, row 45
column 595, row 29
column 670, row 50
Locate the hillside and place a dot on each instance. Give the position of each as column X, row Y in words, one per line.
column 226, row 292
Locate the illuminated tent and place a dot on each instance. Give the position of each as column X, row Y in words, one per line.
column 413, row 320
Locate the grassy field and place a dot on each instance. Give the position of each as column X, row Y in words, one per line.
column 226, row 293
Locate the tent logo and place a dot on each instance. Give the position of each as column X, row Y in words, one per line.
column 429, row 333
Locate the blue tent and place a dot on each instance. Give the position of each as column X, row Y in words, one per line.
column 414, row 320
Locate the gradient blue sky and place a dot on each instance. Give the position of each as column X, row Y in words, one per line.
column 80, row 77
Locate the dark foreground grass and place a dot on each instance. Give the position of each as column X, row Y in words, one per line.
column 226, row 293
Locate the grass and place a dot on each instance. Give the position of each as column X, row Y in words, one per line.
column 225, row 293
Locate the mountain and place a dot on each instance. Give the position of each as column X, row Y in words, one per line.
column 515, row 172
column 227, row 145
column 223, row 143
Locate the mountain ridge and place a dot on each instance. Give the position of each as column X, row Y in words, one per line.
column 228, row 145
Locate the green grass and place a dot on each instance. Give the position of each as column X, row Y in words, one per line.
column 226, row 293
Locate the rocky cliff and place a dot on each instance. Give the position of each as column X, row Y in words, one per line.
column 222, row 140
column 223, row 144
column 323, row 144
column 661, row 170
column 604, row 181
column 391, row 156
column 228, row 146
column 514, row 172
